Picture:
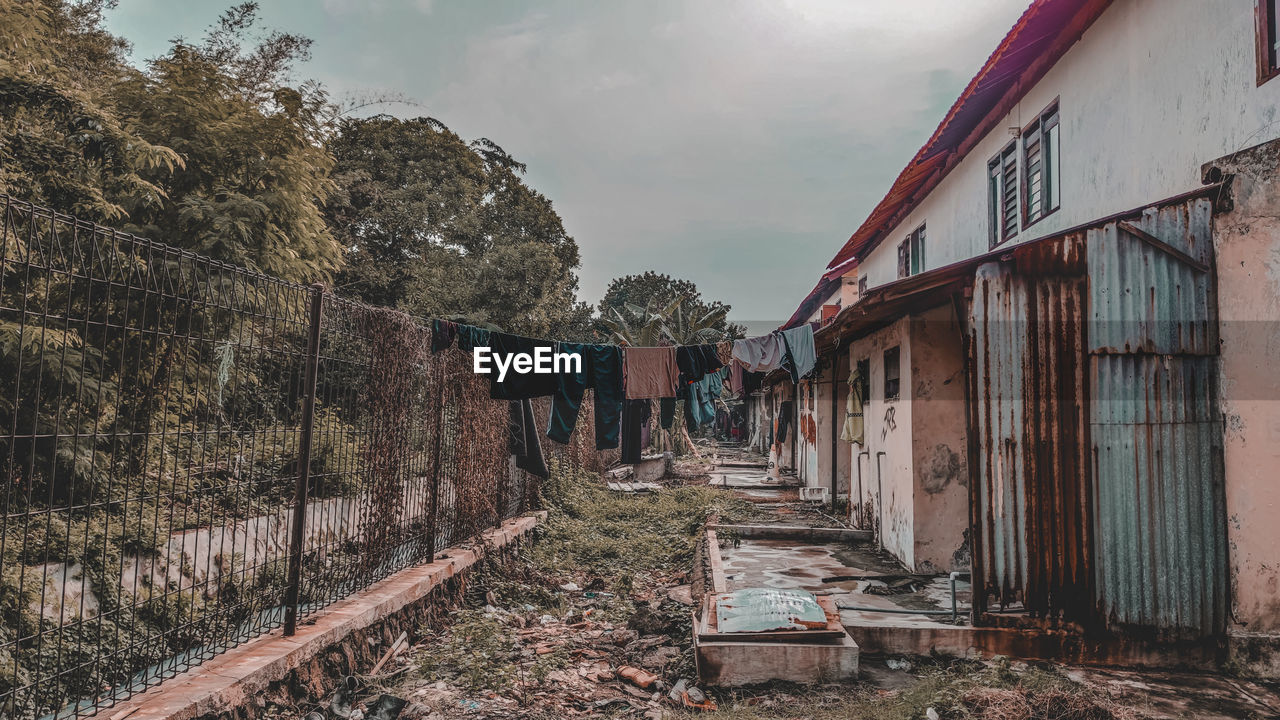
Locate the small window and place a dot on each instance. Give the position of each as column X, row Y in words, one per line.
column 911, row 254
column 892, row 374
column 1040, row 194
column 1268, row 40
column 1002, row 178
column 917, row 250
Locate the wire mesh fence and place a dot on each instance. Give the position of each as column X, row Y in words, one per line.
column 194, row 454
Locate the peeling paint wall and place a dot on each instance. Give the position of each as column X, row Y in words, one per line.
column 888, row 493
column 939, row 441
column 1247, row 247
column 1151, row 91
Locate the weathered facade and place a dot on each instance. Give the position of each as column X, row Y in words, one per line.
column 1068, row 387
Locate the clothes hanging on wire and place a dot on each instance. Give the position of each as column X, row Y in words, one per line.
column 635, row 416
column 700, row 399
column 650, row 372
column 737, row 376
column 760, row 354
column 515, row 385
column 724, row 351
column 601, row 370
column 695, row 361
column 853, row 421
column 471, row 337
column 443, row 333
column 524, row 443
column 801, row 356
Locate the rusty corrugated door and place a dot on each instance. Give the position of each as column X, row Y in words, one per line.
column 1032, row 492
column 1155, row 428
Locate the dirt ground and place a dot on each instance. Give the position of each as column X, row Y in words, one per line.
column 593, row 621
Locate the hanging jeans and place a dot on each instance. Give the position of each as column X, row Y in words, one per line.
column 601, row 371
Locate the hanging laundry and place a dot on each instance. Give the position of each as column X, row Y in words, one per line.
column 602, row 371
column 635, row 416
column 700, row 399
column 666, row 413
column 471, row 337
column 524, row 442
column 650, row 372
column 737, row 377
column 724, row 351
column 801, row 357
column 852, row 430
column 760, row 354
column 785, row 412
column 695, row 361
column 443, row 333
column 520, row 386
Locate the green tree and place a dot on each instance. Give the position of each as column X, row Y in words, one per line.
column 634, row 299
column 62, row 141
column 255, row 172
column 441, row 227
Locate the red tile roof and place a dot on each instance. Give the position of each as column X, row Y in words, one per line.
column 1037, row 40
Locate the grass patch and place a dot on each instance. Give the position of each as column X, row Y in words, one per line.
column 615, row 536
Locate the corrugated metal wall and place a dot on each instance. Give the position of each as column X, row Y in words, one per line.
column 1032, row 498
column 1156, row 430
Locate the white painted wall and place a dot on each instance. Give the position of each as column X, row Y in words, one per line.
column 1154, row 89
column 888, row 480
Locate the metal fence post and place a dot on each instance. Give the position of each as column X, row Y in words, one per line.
column 437, row 446
column 297, row 534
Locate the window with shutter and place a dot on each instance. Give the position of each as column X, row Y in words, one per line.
column 1268, row 39
column 916, row 250
column 1040, row 195
column 1002, row 173
column 904, row 258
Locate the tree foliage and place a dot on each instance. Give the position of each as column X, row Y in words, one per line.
column 439, row 226
column 670, row 304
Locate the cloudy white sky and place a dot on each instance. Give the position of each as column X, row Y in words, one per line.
column 734, row 143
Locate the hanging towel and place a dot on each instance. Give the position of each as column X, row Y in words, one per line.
column 737, row 378
column 650, row 372
column 852, row 430
column 442, row 334
column 760, row 354
column 724, row 351
column 801, row 357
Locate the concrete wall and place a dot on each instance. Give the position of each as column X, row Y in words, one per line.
column 1152, row 90
column 888, row 493
column 939, row 441
column 1247, row 247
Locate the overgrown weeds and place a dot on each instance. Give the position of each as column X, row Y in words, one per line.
column 596, row 531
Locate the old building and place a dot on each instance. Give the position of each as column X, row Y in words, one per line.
column 1060, row 319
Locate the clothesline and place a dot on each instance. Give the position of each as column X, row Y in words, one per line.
column 624, row 380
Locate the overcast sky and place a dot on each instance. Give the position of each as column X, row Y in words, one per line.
column 734, row 143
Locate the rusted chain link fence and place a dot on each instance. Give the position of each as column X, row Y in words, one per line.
column 193, row 453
